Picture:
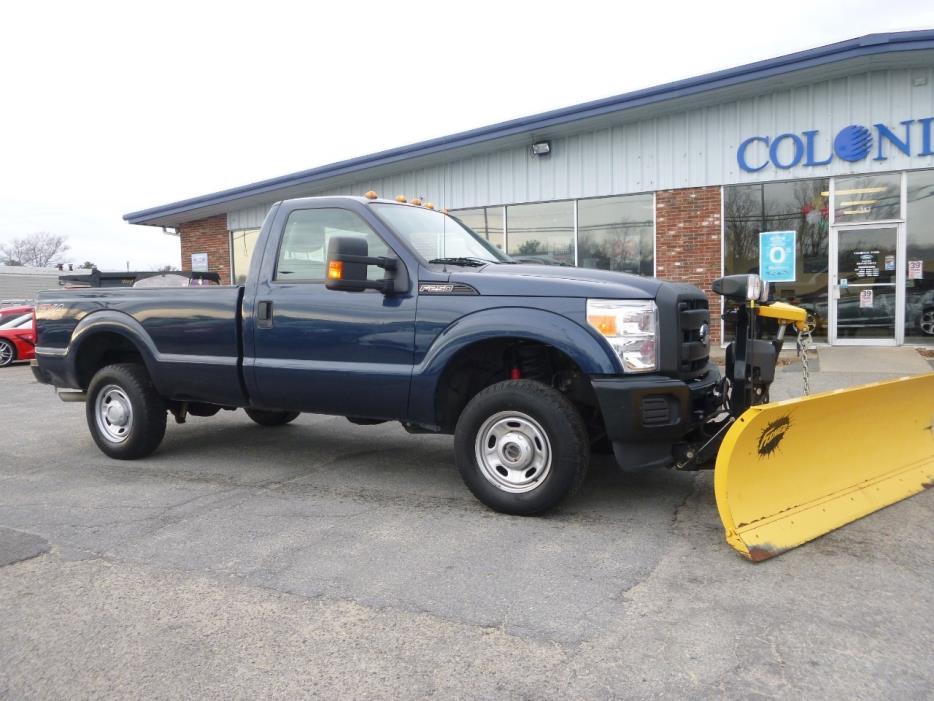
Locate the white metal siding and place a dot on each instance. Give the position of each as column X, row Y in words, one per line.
column 680, row 149
column 25, row 286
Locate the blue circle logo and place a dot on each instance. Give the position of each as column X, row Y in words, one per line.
column 853, row 143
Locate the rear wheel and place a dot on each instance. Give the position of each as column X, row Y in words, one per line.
column 125, row 414
column 7, row 353
column 521, row 447
column 272, row 418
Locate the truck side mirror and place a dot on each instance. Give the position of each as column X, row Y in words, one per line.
column 347, row 264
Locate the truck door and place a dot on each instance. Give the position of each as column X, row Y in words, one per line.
column 311, row 349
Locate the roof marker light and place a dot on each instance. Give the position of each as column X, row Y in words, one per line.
column 371, row 195
column 417, row 202
column 401, row 198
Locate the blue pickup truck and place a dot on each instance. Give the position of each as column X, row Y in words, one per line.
column 378, row 310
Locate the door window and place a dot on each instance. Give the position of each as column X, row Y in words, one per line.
column 866, row 270
column 304, row 249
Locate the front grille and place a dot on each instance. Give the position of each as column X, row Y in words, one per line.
column 693, row 318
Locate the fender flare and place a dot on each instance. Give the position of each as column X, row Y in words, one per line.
column 591, row 354
column 120, row 323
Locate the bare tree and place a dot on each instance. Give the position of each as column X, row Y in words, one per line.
column 39, row 250
column 530, row 247
column 166, row 269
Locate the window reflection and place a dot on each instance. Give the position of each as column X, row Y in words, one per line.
column 616, row 233
column 242, row 245
column 919, row 283
column 801, row 206
column 863, row 198
column 541, row 233
column 485, row 221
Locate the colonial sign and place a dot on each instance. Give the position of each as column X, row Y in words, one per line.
column 852, row 143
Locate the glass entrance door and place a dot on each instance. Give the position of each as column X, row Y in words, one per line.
column 866, row 300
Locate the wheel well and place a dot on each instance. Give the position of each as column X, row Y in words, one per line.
column 102, row 349
column 485, row 363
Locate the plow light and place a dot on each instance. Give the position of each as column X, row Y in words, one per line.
column 742, row 288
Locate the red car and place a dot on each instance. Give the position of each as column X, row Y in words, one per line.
column 17, row 338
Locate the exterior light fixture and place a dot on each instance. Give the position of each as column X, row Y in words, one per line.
column 540, row 148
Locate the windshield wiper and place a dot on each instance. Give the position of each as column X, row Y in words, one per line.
column 463, row 261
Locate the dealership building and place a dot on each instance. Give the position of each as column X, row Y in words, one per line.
column 815, row 169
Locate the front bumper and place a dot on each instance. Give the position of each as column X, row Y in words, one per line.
column 645, row 415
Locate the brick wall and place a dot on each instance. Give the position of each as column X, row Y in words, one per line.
column 207, row 236
column 687, row 242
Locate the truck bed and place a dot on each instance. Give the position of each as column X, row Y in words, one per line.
column 190, row 336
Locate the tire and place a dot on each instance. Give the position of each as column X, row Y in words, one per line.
column 926, row 322
column 125, row 415
column 272, row 418
column 7, row 353
column 521, row 447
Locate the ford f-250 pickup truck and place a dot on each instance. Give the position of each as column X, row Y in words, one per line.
column 378, row 310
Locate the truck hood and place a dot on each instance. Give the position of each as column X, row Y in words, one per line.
column 523, row 280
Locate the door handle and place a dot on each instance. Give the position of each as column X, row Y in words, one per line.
column 264, row 314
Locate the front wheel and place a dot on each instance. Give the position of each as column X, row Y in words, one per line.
column 125, row 414
column 521, row 447
column 271, row 418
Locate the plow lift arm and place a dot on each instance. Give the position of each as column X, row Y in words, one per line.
column 790, row 471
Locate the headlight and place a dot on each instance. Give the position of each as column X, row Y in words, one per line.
column 630, row 327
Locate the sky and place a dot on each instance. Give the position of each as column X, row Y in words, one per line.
column 108, row 108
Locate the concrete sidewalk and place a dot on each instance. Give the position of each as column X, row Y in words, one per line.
column 904, row 360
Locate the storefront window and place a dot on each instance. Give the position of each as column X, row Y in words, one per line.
column 862, row 198
column 541, row 233
column 919, row 284
column 486, row 221
column 242, row 244
column 616, row 233
column 800, row 206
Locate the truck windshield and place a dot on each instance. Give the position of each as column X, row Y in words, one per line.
column 435, row 236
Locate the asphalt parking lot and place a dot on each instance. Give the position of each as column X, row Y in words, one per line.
column 335, row 560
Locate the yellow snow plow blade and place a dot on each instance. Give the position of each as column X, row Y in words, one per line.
column 791, row 471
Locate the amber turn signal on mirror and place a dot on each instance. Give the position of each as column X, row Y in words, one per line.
column 335, row 269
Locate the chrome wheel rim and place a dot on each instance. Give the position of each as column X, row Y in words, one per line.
column 513, row 452
column 927, row 322
column 114, row 413
column 6, row 354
